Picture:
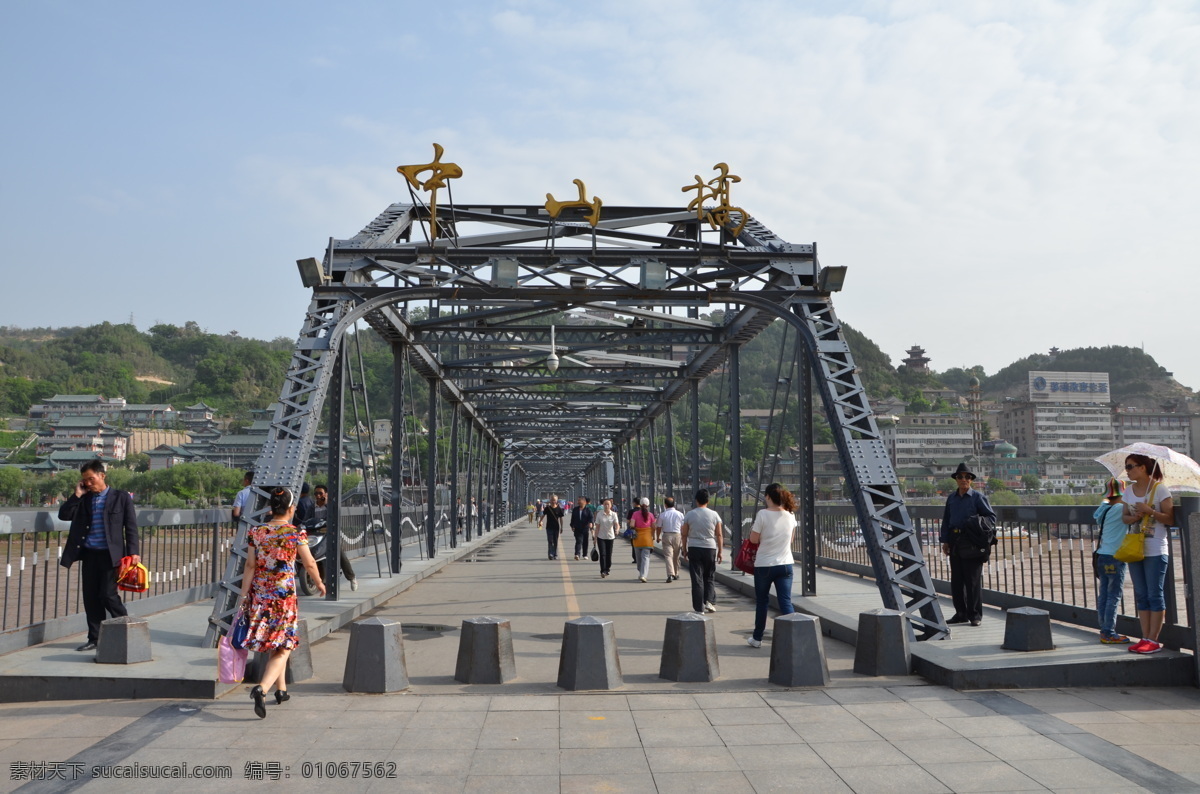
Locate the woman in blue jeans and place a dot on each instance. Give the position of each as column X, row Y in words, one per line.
column 1149, row 509
column 772, row 531
column 1111, row 581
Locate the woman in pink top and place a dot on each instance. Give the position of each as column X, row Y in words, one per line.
column 642, row 522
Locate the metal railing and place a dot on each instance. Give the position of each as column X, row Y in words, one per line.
column 1043, row 558
column 184, row 550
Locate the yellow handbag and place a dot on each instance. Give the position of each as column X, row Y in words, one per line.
column 1133, row 547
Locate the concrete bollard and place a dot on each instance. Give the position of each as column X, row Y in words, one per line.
column 689, row 649
column 588, row 659
column 882, row 643
column 124, row 640
column 485, row 653
column 798, row 652
column 375, row 658
column 299, row 664
column 1027, row 629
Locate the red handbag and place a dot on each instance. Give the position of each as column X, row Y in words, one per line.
column 744, row 561
column 133, row 577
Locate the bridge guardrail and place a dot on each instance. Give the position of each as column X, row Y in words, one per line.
column 184, row 550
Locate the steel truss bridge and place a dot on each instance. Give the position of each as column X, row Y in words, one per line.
column 559, row 344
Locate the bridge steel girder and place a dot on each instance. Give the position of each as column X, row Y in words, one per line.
column 626, row 311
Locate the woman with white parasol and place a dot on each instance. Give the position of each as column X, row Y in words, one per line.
column 1152, row 471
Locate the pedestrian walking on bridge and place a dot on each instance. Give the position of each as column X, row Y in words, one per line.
column 604, row 529
column 703, row 548
column 269, row 593
column 773, row 529
column 666, row 531
column 581, row 526
column 553, row 515
column 642, row 523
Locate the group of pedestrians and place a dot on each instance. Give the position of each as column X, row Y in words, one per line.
column 697, row 538
column 1144, row 503
column 1145, row 508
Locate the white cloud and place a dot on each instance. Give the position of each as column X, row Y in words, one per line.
column 990, row 167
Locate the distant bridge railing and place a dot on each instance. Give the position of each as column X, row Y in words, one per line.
column 1043, row 558
column 184, row 550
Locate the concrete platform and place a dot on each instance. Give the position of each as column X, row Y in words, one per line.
column 971, row 658
column 180, row 667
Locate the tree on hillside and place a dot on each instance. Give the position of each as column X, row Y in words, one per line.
column 959, row 379
column 1004, row 497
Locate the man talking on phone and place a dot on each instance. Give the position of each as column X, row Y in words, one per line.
column 103, row 530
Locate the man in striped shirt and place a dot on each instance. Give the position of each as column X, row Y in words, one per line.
column 103, row 530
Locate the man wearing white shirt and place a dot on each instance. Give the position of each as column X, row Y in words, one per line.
column 666, row 531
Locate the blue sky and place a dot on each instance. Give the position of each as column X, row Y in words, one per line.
column 1000, row 178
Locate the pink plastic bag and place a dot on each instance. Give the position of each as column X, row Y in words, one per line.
column 231, row 662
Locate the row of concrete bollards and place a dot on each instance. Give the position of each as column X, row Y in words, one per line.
column 588, row 659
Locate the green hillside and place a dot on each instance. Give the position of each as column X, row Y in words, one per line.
column 230, row 373
column 184, row 364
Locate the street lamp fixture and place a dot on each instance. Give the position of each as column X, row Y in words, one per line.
column 831, row 279
column 552, row 359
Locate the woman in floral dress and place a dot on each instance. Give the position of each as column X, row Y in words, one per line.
column 271, row 553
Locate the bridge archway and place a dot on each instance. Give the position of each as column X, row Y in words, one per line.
column 559, row 348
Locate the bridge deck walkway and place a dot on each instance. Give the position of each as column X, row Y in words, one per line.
column 736, row 734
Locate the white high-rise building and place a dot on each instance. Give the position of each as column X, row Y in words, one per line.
column 918, row 439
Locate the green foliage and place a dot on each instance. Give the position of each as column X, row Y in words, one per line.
column 947, row 485
column 1031, row 482
column 875, row 367
column 959, row 379
column 167, row 501
column 919, row 406
column 10, row 439
column 1004, row 497
column 1056, row 499
column 994, row 485
column 924, row 488
column 230, row 373
column 12, row 480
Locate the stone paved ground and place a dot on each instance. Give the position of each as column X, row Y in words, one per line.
column 736, row 734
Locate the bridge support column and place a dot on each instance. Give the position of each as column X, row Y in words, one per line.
column 333, row 518
column 431, row 475
column 806, row 493
column 735, row 450
column 695, row 444
column 397, row 455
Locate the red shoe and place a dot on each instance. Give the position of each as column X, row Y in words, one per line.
column 1138, row 646
column 1151, row 647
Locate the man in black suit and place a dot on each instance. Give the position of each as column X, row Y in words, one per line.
column 581, row 524
column 103, row 530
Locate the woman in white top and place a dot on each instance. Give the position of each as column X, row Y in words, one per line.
column 772, row 531
column 604, row 532
column 1148, row 504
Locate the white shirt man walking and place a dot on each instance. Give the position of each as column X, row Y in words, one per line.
column 666, row 531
